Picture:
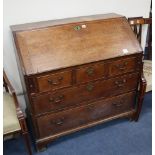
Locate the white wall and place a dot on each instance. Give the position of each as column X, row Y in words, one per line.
column 24, row 11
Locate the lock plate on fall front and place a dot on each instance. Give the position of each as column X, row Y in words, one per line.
column 77, row 28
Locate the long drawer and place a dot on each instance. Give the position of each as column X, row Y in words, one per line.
column 73, row 118
column 80, row 95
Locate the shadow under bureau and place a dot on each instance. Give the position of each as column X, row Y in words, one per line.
column 78, row 72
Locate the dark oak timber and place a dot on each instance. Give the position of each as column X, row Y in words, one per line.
column 79, row 72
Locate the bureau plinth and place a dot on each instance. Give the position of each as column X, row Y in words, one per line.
column 78, row 72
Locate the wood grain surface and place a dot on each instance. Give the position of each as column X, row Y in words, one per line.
column 62, row 46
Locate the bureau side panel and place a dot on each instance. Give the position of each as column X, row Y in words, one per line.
column 24, row 82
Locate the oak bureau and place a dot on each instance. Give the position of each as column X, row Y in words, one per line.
column 78, row 72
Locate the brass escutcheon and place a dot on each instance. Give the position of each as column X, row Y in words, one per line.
column 77, row 28
column 90, row 71
column 89, row 87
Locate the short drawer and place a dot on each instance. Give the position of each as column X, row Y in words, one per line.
column 90, row 72
column 54, row 81
column 80, row 95
column 124, row 65
column 73, row 118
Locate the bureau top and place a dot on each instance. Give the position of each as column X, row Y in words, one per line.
column 51, row 45
column 43, row 24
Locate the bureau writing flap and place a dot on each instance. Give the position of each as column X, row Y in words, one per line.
column 77, row 42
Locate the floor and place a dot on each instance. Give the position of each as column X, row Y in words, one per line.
column 118, row 137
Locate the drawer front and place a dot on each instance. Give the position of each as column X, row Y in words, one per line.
column 70, row 119
column 54, row 81
column 121, row 66
column 90, row 72
column 84, row 93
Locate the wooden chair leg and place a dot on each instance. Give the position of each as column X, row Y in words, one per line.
column 25, row 134
column 27, row 142
column 141, row 97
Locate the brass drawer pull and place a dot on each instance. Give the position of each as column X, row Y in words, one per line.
column 120, row 83
column 56, row 81
column 90, row 71
column 90, row 107
column 89, row 87
column 118, row 104
column 58, row 122
column 57, row 99
column 122, row 66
